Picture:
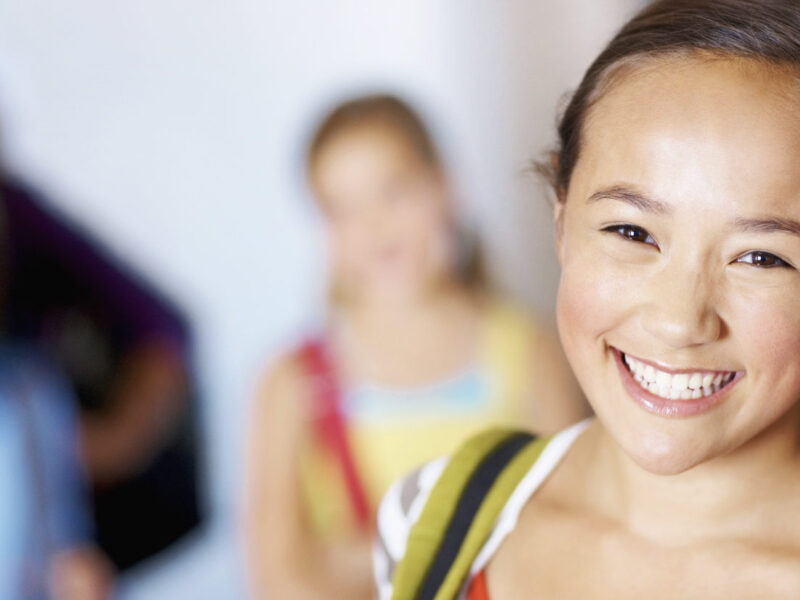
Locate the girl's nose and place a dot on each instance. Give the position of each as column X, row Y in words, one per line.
column 681, row 308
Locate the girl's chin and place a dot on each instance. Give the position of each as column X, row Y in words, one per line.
column 395, row 292
column 400, row 288
column 660, row 452
column 664, row 465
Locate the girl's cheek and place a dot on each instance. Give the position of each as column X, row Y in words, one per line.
column 592, row 294
column 427, row 232
column 349, row 249
column 767, row 332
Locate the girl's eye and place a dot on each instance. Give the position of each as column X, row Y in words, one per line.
column 761, row 259
column 632, row 233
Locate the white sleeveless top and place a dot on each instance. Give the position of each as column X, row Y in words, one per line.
column 403, row 504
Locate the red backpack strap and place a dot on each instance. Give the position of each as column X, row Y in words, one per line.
column 330, row 425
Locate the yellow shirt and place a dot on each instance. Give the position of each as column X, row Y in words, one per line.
column 393, row 431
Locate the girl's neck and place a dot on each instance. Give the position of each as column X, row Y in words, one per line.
column 411, row 343
column 409, row 313
column 742, row 494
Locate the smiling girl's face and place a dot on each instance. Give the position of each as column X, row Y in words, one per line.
column 679, row 239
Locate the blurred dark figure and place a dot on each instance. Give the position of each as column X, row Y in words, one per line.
column 124, row 349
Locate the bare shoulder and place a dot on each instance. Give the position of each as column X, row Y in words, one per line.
column 276, row 424
column 281, row 392
column 284, row 373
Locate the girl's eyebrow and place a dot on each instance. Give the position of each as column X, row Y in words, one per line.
column 768, row 225
column 645, row 203
column 631, row 196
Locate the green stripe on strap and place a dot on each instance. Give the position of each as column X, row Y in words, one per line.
column 427, row 532
column 486, row 517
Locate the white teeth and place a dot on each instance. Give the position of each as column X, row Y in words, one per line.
column 680, row 381
column 678, row 386
column 663, row 380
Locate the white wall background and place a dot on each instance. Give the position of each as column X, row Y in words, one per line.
column 172, row 128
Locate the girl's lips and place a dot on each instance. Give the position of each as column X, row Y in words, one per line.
column 668, row 369
column 666, row 407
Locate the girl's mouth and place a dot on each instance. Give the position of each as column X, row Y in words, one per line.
column 685, row 385
column 673, row 393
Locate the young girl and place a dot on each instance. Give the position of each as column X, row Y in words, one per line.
column 678, row 231
column 414, row 357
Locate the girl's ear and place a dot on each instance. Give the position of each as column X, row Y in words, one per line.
column 558, row 226
column 559, row 206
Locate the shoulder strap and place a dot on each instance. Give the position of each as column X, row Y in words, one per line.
column 461, row 512
column 330, row 425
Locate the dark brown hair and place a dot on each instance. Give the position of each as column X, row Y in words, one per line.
column 388, row 110
column 762, row 30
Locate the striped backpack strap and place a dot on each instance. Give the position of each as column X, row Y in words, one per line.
column 461, row 512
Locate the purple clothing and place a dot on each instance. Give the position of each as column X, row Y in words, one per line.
column 66, row 291
column 85, row 310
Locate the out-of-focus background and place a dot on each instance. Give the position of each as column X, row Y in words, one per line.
column 172, row 131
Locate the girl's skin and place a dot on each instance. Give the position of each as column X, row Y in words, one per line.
column 402, row 318
column 647, row 505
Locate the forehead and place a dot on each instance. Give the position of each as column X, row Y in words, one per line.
column 706, row 130
column 362, row 150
